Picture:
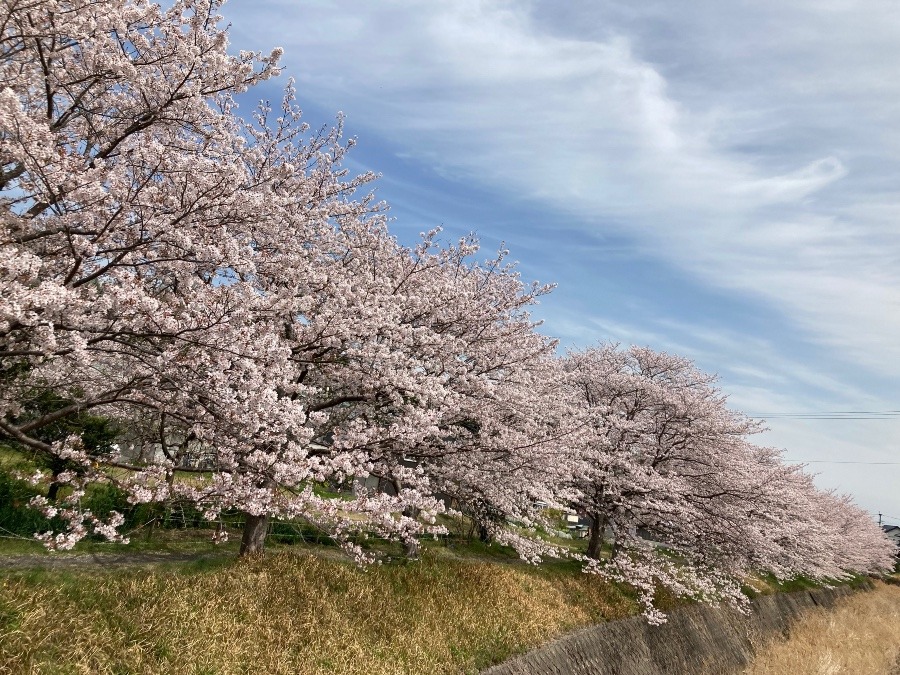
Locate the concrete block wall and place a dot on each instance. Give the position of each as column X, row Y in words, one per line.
column 697, row 640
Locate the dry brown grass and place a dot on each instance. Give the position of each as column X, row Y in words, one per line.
column 860, row 637
column 292, row 614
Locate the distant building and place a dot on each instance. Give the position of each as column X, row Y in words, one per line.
column 892, row 532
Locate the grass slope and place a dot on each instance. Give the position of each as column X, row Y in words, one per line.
column 292, row 613
column 861, row 636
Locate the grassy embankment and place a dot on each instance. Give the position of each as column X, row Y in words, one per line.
column 860, row 637
column 301, row 609
column 292, row 613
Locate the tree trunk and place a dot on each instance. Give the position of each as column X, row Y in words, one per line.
column 615, row 550
column 595, row 542
column 52, row 491
column 410, row 546
column 53, row 488
column 253, row 540
column 484, row 534
column 411, row 549
column 154, row 521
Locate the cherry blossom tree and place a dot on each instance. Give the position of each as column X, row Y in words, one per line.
column 141, row 221
column 212, row 284
column 420, row 353
column 668, row 469
column 469, row 336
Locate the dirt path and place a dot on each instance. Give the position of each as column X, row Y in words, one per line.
column 85, row 560
column 137, row 558
column 81, row 560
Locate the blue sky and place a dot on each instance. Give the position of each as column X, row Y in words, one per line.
column 716, row 179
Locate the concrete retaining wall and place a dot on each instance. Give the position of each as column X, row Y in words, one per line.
column 697, row 640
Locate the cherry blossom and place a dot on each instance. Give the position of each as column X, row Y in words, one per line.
column 667, row 471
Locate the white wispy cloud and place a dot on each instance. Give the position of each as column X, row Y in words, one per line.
column 581, row 121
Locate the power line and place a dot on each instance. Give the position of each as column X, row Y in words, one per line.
column 833, row 415
column 840, row 412
column 833, row 461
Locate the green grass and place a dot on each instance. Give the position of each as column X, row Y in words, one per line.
column 767, row 584
column 14, row 545
column 13, row 460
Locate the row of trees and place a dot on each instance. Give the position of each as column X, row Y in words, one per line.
column 199, row 284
